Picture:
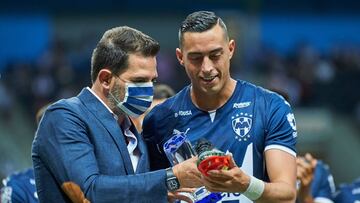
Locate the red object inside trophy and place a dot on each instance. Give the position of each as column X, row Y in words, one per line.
column 214, row 163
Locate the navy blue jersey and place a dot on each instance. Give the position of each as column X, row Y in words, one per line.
column 348, row 193
column 19, row 188
column 252, row 121
column 323, row 186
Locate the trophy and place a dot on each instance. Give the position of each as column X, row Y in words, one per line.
column 177, row 149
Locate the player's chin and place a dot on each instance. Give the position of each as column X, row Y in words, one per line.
column 211, row 90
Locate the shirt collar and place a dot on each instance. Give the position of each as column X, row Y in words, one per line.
column 88, row 88
column 126, row 123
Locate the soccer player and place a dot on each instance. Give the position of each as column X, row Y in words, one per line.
column 20, row 186
column 348, row 193
column 256, row 125
column 316, row 184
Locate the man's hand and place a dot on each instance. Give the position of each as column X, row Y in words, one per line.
column 305, row 174
column 181, row 194
column 231, row 180
column 188, row 174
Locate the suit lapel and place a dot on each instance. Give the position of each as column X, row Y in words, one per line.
column 105, row 117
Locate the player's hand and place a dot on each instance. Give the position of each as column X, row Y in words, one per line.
column 231, row 180
column 305, row 174
column 188, row 174
column 305, row 170
column 181, row 194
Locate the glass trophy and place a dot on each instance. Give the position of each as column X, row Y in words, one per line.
column 177, row 149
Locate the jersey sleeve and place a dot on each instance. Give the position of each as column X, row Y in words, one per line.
column 280, row 127
column 323, row 186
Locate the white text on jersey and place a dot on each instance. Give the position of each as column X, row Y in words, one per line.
column 241, row 105
column 183, row 113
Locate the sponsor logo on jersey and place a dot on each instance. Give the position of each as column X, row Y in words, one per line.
column 241, row 124
column 183, row 113
column 241, row 105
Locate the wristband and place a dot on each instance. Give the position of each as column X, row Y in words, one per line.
column 255, row 189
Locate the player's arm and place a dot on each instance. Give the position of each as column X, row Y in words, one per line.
column 281, row 168
column 280, row 151
column 280, row 189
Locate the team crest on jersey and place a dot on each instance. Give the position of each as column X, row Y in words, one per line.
column 241, row 124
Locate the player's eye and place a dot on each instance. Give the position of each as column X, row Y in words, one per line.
column 195, row 57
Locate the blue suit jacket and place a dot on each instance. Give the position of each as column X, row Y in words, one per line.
column 78, row 141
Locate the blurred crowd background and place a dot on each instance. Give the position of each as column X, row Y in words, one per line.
column 309, row 49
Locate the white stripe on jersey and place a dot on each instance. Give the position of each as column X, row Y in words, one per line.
column 323, row 200
column 282, row 148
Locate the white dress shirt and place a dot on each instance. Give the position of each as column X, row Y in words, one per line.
column 131, row 138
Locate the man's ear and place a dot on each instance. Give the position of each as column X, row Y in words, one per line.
column 179, row 56
column 231, row 48
column 105, row 76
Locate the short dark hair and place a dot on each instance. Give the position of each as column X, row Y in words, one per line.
column 113, row 49
column 162, row 91
column 282, row 93
column 200, row 21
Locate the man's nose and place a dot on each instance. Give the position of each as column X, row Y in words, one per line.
column 207, row 65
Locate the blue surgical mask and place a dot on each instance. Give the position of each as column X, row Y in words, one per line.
column 138, row 98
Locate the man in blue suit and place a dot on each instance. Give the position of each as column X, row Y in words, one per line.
column 87, row 149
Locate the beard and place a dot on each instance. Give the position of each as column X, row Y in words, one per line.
column 115, row 96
